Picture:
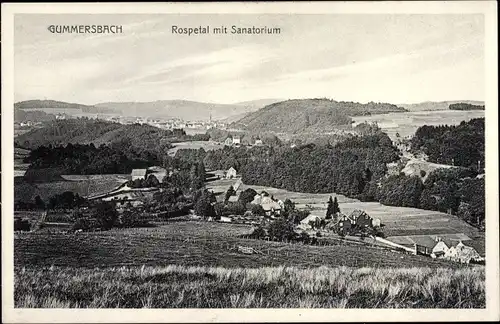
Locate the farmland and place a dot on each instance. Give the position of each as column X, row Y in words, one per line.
column 397, row 220
column 192, row 243
column 84, row 185
column 406, row 123
column 195, row 145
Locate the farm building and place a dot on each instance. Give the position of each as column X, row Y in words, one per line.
column 463, row 254
column 158, row 172
column 139, row 174
column 345, row 223
column 310, row 220
column 360, row 218
column 271, row 207
column 231, row 173
column 236, row 140
column 258, row 141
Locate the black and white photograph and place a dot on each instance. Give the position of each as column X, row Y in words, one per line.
column 249, row 159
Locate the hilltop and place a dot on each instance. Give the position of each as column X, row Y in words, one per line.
column 184, row 109
column 48, row 104
column 86, row 131
column 299, row 115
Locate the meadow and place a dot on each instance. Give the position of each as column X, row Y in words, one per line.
column 177, row 286
column 406, row 123
column 196, row 243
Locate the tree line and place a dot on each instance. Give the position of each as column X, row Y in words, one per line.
column 460, row 145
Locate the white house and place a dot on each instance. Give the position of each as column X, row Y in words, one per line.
column 236, row 140
column 258, row 141
column 440, row 249
column 463, row 253
column 139, row 174
column 226, row 219
column 231, row 173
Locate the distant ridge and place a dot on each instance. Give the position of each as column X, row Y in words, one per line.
column 318, row 115
column 437, row 105
column 47, row 104
column 184, row 109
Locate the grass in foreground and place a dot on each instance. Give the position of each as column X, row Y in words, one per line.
column 267, row 287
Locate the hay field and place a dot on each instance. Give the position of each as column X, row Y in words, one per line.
column 176, row 286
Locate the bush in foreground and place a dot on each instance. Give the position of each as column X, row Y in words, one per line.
column 266, row 287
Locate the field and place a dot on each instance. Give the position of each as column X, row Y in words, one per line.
column 397, row 221
column 191, row 243
column 84, row 185
column 217, row 287
column 406, row 123
column 195, row 145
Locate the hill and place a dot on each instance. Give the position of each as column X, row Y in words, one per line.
column 319, row 115
column 184, row 109
column 86, row 131
column 437, row 105
column 48, row 104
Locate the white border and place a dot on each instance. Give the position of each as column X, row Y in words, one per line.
column 488, row 8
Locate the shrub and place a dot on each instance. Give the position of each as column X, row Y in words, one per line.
column 21, row 224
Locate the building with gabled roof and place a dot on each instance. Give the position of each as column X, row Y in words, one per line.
column 139, row 174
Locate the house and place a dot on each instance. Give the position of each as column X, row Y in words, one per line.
column 228, row 141
column 311, row 219
column 440, row 249
column 345, row 223
column 139, row 174
column 258, row 141
column 226, row 219
column 236, row 140
column 463, row 254
column 231, row 173
column 361, row 219
column 271, row 207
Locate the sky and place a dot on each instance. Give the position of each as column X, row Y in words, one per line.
column 379, row 57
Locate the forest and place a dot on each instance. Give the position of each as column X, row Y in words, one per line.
column 355, row 167
column 85, row 131
column 465, row 106
column 89, row 159
column 461, row 145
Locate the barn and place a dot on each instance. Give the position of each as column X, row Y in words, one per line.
column 139, row 174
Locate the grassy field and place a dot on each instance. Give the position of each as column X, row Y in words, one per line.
column 406, row 123
column 83, row 185
column 192, row 243
column 268, row 287
column 195, row 145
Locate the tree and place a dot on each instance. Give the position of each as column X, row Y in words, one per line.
column 336, row 208
column 230, row 192
column 39, row 203
column 203, row 205
column 281, row 229
column 247, row 196
column 152, row 181
column 106, row 214
column 329, row 208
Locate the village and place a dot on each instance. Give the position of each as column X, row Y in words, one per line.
column 328, row 225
